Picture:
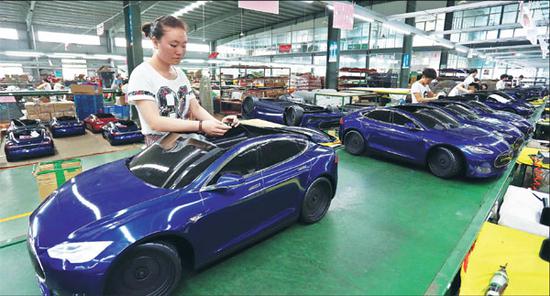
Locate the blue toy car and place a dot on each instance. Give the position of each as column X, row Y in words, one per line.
column 184, row 198
column 499, row 101
column 426, row 137
column 66, row 126
column 24, row 124
column 516, row 120
column 122, row 132
column 29, row 142
column 527, row 94
column 464, row 115
column 291, row 113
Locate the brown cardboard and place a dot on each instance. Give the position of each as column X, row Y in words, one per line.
column 63, row 106
column 33, row 116
column 85, row 89
column 46, row 108
column 50, row 175
column 57, row 114
column 44, row 116
column 32, row 108
column 121, row 100
column 69, row 113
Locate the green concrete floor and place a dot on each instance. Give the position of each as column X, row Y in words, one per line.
column 391, row 229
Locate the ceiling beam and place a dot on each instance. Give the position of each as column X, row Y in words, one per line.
column 475, row 5
column 28, row 19
column 507, row 48
column 216, row 20
column 540, row 23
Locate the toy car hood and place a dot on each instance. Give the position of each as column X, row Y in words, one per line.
column 91, row 198
column 468, row 134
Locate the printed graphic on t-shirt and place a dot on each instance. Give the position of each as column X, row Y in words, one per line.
column 172, row 104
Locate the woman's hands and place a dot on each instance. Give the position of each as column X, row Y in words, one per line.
column 214, row 127
column 231, row 120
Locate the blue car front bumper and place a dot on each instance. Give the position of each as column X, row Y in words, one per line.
column 68, row 131
column 487, row 167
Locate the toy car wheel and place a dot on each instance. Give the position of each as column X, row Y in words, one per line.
column 354, row 143
column 9, row 158
column 148, row 269
column 293, row 115
column 444, row 163
column 316, row 201
column 248, row 106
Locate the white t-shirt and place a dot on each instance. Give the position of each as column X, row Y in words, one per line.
column 457, row 92
column 418, row 88
column 501, row 84
column 171, row 96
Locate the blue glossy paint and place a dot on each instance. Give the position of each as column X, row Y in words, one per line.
column 414, row 145
column 512, row 105
column 527, row 94
column 17, row 148
column 66, row 126
column 214, row 221
column 122, row 132
column 313, row 117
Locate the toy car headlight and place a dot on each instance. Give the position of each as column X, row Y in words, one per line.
column 78, row 252
column 478, row 150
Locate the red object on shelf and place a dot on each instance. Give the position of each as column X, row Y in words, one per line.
column 213, row 55
column 285, row 47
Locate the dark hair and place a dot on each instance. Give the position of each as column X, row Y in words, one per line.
column 475, row 85
column 503, row 76
column 510, row 77
column 484, row 86
column 429, row 73
column 472, row 71
column 520, row 76
column 156, row 28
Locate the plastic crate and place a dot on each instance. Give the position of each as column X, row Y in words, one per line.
column 88, row 104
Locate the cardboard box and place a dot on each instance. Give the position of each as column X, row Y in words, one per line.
column 57, row 114
column 33, row 116
column 86, row 89
column 69, row 113
column 46, row 108
column 44, row 116
column 52, row 174
column 121, row 100
column 32, row 108
column 63, row 106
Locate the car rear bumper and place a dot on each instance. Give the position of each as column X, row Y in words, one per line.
column 126, row 138
column 29, row 151
column 68, row 131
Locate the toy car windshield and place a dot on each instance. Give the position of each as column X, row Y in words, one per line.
column 435, row 119
column 104, row 115
column 462, row 111
column 481, row 106
column 174, row 161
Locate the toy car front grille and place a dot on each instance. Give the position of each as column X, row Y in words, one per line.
column 34, row 261
column 503, row 159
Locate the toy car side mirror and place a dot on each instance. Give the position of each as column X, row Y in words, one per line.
column 228, row 180
column 544, row 253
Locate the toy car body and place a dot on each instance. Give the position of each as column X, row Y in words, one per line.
column 122, row 132
column 66, row 126
column 499, row 101
column 291, row 113
column 185, row 197
column 96, row 121
column 427, row 137
column 527, row 94
column 24, row 123
column 464, row 115
column 516, row 120
column 28, row 142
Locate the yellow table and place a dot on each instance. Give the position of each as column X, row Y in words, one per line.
column 499, row 245
column 524, row 158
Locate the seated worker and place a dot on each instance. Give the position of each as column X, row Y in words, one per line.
column 501, row 84
column 462, row 88
column 420, row 90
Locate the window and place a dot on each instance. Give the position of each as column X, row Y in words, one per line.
column 174, row 162
column 400, row 119
column 45, row 36
column 274, row 152
column 243, row 164
column 380, row 115
column 8, row 33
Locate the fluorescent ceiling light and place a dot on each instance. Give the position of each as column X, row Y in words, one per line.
column 194, row 61
column 445, row 44
column 8, row 33
column 66, row 55
column 363, row 18
column 23, row 53
column 395, row 28
column 69, row 61
column 189, row 8
column 198, row 47
column 107, row 56
column 308, row 2
column 330, row 7
column 10, row 65
column 460, row 49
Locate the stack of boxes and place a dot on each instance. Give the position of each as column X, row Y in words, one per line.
column 46, row 111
